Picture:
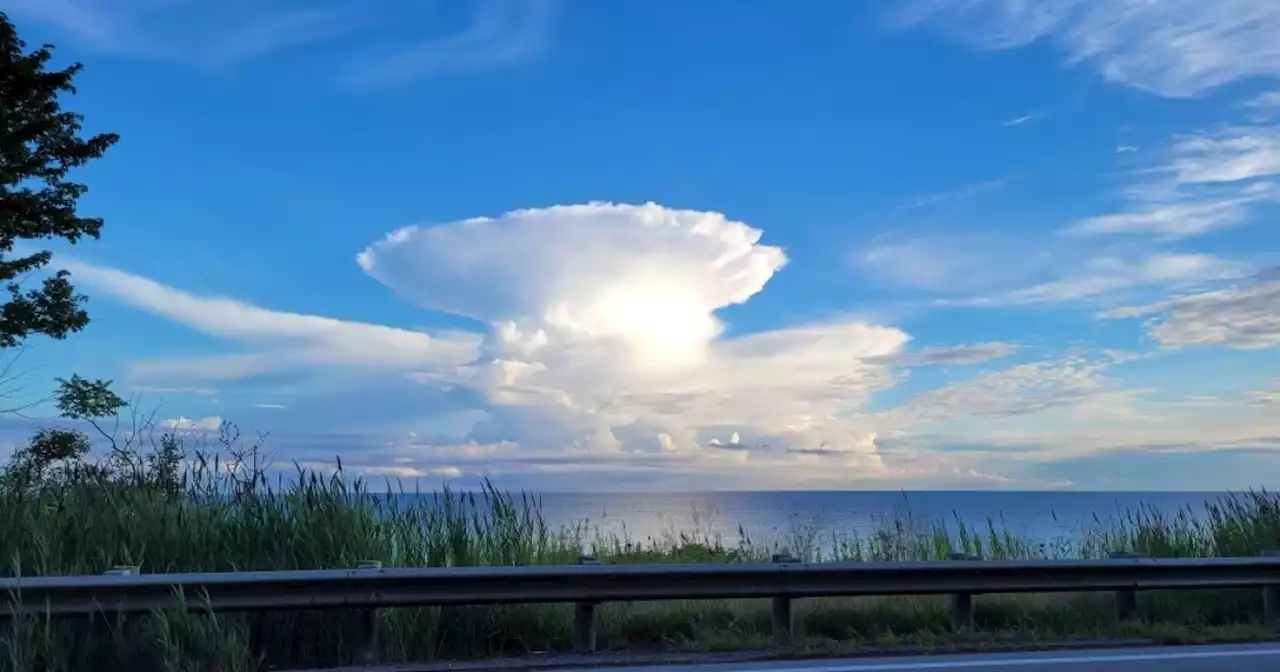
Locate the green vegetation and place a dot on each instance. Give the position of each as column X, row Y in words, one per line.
column 39, row 145
column 155, row 505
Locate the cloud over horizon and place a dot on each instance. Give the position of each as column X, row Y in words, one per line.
column 603, row 337
column 998, row 245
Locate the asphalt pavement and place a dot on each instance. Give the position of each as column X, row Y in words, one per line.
column 1235, row 658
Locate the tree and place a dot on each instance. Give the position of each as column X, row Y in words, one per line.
column 39, row 145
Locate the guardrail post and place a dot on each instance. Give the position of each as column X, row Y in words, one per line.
column 584, row 617
column 367, row 653
column 1126, row 598
column 961, row 604
column 1271, row 596
column 122, row 570
column 783, row 620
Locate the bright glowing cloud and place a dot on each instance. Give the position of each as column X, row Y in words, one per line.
column 603, row 323
column 209, row 424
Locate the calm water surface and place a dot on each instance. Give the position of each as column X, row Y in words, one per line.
column 776, row 518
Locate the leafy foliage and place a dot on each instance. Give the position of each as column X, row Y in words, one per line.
column 39, row 145
column 83, row 399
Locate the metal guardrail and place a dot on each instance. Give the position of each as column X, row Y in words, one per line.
column 372, row 587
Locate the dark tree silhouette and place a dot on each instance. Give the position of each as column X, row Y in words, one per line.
column 39, row 145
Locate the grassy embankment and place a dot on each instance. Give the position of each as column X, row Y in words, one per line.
column 91, row 524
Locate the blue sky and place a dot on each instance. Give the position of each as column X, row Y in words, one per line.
column 681, row 246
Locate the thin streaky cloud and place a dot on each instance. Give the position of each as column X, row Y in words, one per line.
column 1018, row 121
column 101, row 30
column 292, row 29
column 1269, row 100
column 501, row 33
column 283, row 338
column 955, row 195
column 1204, row 181
column 1175, row 48
column 1103, row 278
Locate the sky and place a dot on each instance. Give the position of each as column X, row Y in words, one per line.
column 671, row 246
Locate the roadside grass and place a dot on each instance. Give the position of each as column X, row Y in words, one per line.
column 224, row 517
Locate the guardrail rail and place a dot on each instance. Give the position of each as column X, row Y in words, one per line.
column 370, row 586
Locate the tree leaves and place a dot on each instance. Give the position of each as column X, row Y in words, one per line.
column 39, row 145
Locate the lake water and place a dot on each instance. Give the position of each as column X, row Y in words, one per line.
column 774, row 519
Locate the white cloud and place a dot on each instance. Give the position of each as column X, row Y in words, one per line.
column 1106, row 277
column 209, row 424
column 604, row 332
column 604, row 353
column 645, row 276
column 271, row 407
column 285, row 339
column 1168, row 47
column 395, row 471
column 602, row 336
column 1246, row 316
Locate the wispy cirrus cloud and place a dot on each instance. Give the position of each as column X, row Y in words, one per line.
column 501, row 33
column 283, row 339
column 1173, row 48
column 1107, row 278
column 1021, row 119
column 1204, row 181
column 1170, row 220
column 202, row 33
column 967, row 262
column 961, row 271
column 367, row 36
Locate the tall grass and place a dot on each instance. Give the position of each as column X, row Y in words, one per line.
column 220, row 517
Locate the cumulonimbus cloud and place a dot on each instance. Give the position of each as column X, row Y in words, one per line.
column 603, row 323
column 602, row 348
